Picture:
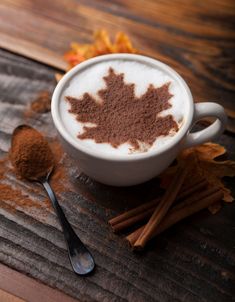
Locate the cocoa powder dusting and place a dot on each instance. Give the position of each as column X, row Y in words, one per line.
column 122, row 117
column 30, row 153
column 41, row 104
column 12, row 196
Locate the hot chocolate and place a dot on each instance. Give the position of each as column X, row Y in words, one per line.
column 123, row 107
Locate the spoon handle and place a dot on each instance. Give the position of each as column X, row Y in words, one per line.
column 80, row 258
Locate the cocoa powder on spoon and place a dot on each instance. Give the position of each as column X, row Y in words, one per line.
column 30, row 153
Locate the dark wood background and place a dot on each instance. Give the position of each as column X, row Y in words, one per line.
column 193, row 261
column 194, row 37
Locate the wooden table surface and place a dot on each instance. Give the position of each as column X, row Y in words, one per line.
column 193, row 261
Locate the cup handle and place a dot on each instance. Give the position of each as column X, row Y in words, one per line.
column 206, row 109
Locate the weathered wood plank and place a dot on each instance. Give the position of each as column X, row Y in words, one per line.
column 195, row 38
column 30, row 50
column 20, row 288
column 194, row 261
column 7, row 297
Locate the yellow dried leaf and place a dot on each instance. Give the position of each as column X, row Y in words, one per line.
column 81, row 49
column 58, row 76
column 123, row 44
column 101, row 45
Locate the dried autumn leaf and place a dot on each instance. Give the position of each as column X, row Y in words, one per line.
column 101, row 45
column 207, row 151
column 201, row 160
column 123, row 44
column 58, row 76
column 77, row 53
column 211, row 169
column 73, row 58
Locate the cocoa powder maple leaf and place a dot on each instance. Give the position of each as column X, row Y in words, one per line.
column 122, row 117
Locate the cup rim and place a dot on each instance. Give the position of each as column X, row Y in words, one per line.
column 120, row 157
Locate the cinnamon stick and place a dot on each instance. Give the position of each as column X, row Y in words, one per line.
column 199, row 185
column 132, row 238
column 133, row 212
column 194, row 198
column 162, row 208
column 175, row 215
column 132, row 220
column 143, row 211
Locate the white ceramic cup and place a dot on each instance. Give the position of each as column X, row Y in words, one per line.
column 126, row 170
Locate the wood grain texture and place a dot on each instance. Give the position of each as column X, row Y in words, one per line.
column 194, row 37
column 194, row 261
column 6, row 297
column 20, row 288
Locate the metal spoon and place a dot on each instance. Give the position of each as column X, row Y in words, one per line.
column 81, row 259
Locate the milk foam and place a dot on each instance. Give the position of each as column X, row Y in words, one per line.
column 142, row 75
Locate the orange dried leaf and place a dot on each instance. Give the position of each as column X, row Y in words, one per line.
column 73, row 58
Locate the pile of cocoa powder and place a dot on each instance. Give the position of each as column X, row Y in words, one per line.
column 30, row 153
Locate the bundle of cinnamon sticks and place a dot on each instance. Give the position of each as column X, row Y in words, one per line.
column 181, row 199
